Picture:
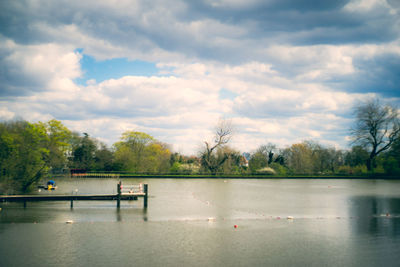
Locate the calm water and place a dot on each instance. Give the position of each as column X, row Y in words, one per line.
column 336, row 223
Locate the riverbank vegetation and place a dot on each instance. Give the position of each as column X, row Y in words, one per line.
column 34, row 151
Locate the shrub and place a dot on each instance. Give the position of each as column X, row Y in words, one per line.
column 356, row 170
column 391, row 166
column 266, row 170
column 279, row 169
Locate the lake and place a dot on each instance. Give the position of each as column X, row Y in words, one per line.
column 190, row 222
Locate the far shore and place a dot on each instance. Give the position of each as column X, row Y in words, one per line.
column 209, row 176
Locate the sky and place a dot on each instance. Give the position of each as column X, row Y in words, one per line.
column 281, row 71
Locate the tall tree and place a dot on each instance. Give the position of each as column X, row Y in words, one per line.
column 22, row 156
column 222, row 135
column 129, row 152
column 376, row 128
column 324, row 159
column 392, row 159
column 356, row 156
column 57, row 142
column 140, row 152
column 300, row 158
column 103, row 158
column 83, row 153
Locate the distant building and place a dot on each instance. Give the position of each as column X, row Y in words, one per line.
column 244, row 160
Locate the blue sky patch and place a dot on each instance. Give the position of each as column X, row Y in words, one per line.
column 113, row 69
column 227, row 94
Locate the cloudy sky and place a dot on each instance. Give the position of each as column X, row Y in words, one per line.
column 283, row 71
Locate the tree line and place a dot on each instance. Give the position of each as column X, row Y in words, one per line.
column 30, row 152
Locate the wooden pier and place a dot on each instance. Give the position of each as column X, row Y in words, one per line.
column 130, row 192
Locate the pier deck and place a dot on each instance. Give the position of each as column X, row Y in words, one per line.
column 87, row 197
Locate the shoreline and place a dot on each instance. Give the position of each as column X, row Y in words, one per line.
column 172, row 176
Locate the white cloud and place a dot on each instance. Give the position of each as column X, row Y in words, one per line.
column 182, row 108
column 365, row 5
column 38, row 67
column 5, row 114
column 289, row 79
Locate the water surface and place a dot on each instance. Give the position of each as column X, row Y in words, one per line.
column 191, row 223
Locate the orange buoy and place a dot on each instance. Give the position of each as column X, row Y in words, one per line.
column 235, row 226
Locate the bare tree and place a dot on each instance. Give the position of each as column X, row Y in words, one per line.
column 223, row 134
column 376, row 128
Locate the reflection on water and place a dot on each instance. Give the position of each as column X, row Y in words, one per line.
column 376, row 215
column 57, row 212
column 336, row 223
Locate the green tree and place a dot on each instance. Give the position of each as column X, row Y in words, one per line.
column 300, row 158
column 263, row 157
column 156, row 158
column 140, row 152
column 175, row 167
column 257, row 161
column 57, row 142
column 129, row 152
column 325, row 160
column 356, row 156
column 391, row 161
column 83, row 152
column 22, row 156
column 103, row 159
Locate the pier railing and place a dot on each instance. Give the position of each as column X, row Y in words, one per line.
column 133, row 188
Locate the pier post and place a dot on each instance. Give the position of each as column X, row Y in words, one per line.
column 72, row 203
column 145, row 189
column 119, row 194
column 24, row 204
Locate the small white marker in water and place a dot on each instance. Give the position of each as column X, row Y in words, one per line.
column 69, row 222
column 290, row 217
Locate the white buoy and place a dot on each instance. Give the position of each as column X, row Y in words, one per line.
column 69, row 222
column 290, row 217
column 211, row 219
